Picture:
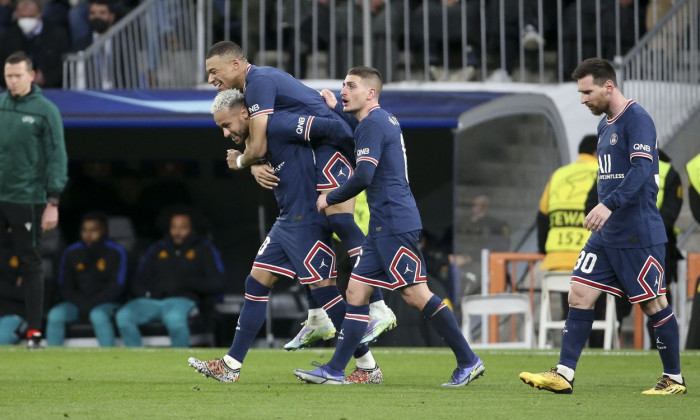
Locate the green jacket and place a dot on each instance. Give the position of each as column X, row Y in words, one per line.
column 33, row 160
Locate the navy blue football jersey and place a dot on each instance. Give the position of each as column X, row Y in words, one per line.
column 291, row 156
column 636, row 222
column 268, row 89
column 392, row 208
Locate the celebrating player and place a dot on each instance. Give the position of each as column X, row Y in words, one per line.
column 625, row 252
column 299, row 243
column 390, row 257
column 268, row 90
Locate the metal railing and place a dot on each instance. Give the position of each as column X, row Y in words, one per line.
column 161, row 43
column 661, row 72
column 154, row 46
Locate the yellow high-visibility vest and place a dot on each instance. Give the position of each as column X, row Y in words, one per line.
column 566, row 203
column 664, row 167
column 693, row 168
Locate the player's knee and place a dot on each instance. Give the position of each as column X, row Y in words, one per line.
column 582, row 297
column 650, row 307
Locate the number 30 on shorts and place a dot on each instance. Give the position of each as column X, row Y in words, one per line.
column 586, row 262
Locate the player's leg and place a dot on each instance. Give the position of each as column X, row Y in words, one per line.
column 175, row 314
column 342, row 221
column 250, row 320
column 56, row 321
column 134, row 313
column 101, row 320
column 469, row 365
column 665, row 326
column 353, row 327
column 366, row 369
column 318, row 324
column 592, row 274
column 650, row 270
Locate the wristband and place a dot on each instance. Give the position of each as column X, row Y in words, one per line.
column 239, row 162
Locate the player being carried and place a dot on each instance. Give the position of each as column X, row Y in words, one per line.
column 390, row 257
column 299, row 243
column 268, row 90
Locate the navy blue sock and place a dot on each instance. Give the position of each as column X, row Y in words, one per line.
column 351, row 332
column 251, row 318
column 329, row 298
column 577, row 329
column 667, row 341
column 444, row 322
column 310, row 298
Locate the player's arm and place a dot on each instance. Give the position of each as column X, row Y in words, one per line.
column 358, row 182
column 366, row 139
column 255, row 145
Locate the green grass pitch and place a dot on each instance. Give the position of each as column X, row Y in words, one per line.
column 158, row 383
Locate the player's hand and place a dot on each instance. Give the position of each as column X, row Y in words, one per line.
column 231, row 156
column 321, row 203
column 330, row 98
column 597, row 217
column 49, row 219
column 264, row 175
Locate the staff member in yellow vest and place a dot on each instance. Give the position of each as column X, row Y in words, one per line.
column 560, row 230
column 693, row 168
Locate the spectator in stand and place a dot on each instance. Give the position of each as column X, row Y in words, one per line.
column 44, row 42
column 91, row 282
column 586, row 17
column 352, row 12
column 454, row 36
column 101, row 17
column 6, row 9
column 175, row 278
column 12, row 321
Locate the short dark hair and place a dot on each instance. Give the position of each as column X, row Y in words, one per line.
column 226, row 48
column 589, row 144
column 19, row 56
column 600, row 69
column 97, row 216
column 109, row 3
column 368, row 74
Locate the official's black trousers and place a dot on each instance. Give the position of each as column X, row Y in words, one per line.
column 23, row 223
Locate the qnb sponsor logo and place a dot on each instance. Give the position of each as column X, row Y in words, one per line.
column 610, row 176
column 254, row 108
column 300, row 125
column 362, row 152
column 642, row 147
column 393, row 120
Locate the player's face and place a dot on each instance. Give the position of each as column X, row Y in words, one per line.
column 225, row 73
column 91, row 231
column 354, row 94
column 180, row 228
column 234, row 123
column 18, row 78
column 596, row 98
